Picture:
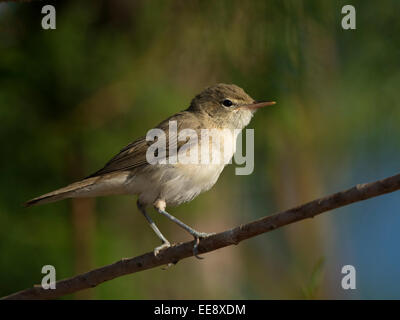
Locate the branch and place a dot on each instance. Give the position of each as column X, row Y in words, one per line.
column 234, row 236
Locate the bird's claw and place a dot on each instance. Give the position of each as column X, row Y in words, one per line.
column 164, row 246
column 196, row 248
column 197, row 236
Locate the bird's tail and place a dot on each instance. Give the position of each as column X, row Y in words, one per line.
column 63, row 193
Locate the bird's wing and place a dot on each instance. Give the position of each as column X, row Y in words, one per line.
column 130, row 157
column 134, row 155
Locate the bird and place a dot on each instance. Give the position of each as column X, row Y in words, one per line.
column 223, row 109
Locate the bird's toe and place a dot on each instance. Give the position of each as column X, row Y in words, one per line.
column 164, row 246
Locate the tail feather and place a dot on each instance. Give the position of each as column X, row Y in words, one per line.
column 60, row 194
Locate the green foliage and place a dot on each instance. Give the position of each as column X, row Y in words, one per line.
column 311, row 289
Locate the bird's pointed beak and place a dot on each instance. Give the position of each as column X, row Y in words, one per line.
column 259, row 104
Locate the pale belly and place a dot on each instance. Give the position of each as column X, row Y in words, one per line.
column 175, row 184
column 179, row 183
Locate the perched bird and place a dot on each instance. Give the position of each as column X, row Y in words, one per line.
column 221, row 109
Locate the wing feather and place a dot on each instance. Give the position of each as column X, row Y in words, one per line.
column 134, row 155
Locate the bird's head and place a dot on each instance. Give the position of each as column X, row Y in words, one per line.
column 228, row 105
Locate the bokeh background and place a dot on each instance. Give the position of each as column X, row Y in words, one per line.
column 71, row 98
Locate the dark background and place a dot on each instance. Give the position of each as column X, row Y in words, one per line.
column 71, row 98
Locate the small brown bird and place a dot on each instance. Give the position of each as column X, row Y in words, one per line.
column 221, row 109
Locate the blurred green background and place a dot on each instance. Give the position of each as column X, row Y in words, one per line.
column 71, row 98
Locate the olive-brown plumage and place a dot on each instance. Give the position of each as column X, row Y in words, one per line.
column 221, row 107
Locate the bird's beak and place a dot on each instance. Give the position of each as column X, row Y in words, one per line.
column 259, row 104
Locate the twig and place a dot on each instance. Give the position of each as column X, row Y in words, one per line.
column 219, row 240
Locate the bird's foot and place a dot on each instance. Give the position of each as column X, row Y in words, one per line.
column 164, row 246
column 197, row 236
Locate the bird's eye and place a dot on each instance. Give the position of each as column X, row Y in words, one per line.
column 227, row 103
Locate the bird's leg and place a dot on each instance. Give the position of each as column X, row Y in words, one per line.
column 165, row 242
column 160, row 207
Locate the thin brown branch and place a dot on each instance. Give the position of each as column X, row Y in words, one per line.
column 219, row 240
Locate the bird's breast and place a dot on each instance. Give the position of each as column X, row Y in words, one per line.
column 208, row 146
column 198, row 171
